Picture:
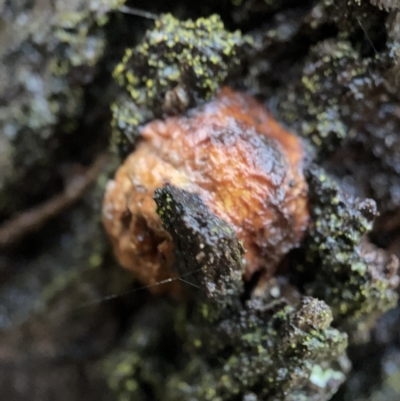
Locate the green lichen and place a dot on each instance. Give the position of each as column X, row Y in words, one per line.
column 197, row 55
column 344, row 102
column 342, row 95
column 340, row 266
column 331, row 74
column 177, row 65
column 273, row 350
column 269, row 348
column 127, row 117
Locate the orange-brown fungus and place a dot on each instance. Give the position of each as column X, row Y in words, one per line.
column 246, row 168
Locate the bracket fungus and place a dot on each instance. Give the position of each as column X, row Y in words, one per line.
column 246, row 169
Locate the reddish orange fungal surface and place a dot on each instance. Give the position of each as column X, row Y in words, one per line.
column 244, row 165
